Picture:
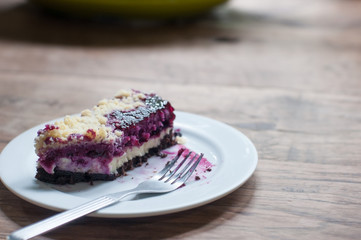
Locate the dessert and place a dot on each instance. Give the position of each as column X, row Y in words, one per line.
column 106, row 141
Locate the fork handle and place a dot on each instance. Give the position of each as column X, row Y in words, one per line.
column 67, row 216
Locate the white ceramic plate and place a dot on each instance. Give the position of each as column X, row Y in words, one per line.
column 232, row 154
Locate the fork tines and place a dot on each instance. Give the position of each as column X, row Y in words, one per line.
column 173, row 175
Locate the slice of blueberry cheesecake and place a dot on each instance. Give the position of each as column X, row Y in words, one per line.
column 106, row 141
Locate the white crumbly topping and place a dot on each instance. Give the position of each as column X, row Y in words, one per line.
column 91, row 123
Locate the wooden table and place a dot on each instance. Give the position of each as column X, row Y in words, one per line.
column 285, row 73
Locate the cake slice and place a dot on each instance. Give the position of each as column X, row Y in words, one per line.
column 106, row 141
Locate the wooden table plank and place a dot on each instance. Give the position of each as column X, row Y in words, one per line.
column 266, row 50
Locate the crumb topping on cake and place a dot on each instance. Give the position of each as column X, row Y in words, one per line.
column 91, row 124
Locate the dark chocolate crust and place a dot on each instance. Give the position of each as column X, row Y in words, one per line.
column 62, row 177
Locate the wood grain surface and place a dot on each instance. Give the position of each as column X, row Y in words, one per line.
column 285, row 73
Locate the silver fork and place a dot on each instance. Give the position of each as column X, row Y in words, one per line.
column 166, row 180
